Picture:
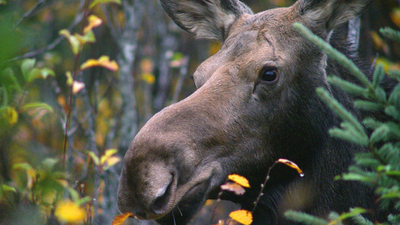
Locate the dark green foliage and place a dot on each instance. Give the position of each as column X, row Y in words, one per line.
column 377, row 167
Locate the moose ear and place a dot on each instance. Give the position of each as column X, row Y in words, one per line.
column 210, row 19
column 331, row 13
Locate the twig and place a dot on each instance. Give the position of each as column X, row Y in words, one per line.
column 71, row 94
column 78, row 18
column 30, row 12
column 263, row 186
column 182, row 76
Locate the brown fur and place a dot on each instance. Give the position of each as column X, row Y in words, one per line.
column 237, row 123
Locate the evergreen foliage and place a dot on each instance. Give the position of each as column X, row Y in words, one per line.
column 379, row 167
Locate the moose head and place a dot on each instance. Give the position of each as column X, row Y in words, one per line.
column 255, row 102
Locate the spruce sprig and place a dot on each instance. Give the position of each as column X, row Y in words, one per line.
column 379, row 168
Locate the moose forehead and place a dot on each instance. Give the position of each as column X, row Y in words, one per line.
column 254, row 40
column 273, row 26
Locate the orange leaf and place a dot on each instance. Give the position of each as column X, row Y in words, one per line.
column 103, row 61
column 239, row 180
column 146, row 65
column 242, row 216
column 292, row 165
column 233, row 187
column 119, row 219
column 395, row 16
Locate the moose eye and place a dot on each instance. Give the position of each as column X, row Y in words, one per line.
column 269, row 75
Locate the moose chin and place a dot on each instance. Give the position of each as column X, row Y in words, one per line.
column 255, row 103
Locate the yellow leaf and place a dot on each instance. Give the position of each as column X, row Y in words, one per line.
column 31, row 177
column 11, row 115
column 103, row 61
column 292, row 165
column 70, row 80
column 214, row 47
column 333, row 222
column 107, row 155
column 69, row 212
column 113, row 160
column 240, row 180
column 94, row 21
column 242, row 216
column 148, row 78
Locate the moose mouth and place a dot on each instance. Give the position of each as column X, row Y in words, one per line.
column 188, row 205
column 176, row 203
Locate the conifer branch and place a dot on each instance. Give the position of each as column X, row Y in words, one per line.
column 333, row 53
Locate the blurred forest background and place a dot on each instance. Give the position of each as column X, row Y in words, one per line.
column 66, row 122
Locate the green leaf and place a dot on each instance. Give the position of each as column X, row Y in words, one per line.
column 380, row 133
column 38, row 105
column 353, row 212
column 87, row 38
column 74, row 194
column 6, row 188
column 49, row 163
column 333, row 53
column 83, row 200
column 37, row 73
column 97, row 2
column 341, row 111
column 349, row 136
column 304, row 218
column 395, row 74
column 394, row 97
column 380, row 94
column 8, row 78
column 371, row 123
column 367, row 105
column 393, row 112
column 73, row 41
column 22, row 166
column 349, row 87
column 356, row 177
column 393, row 194
column 379, row 75
column 390, row 33
column 3, row 2
column 393, row 173
column 96, row 159
column 4, row 96
column 26, row 66
column 360, row 220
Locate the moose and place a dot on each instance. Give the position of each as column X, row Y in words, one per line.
column 255, row 102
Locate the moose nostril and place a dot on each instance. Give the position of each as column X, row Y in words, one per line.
column 160, row 204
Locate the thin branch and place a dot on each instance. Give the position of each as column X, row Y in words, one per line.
column 71, row 95
column 30, row 12
column 182, row 76
column 78, row 19
column 115, row 33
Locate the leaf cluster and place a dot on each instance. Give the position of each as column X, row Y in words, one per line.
column 378, row 168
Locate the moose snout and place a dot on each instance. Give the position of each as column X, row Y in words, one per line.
column 147, row 194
